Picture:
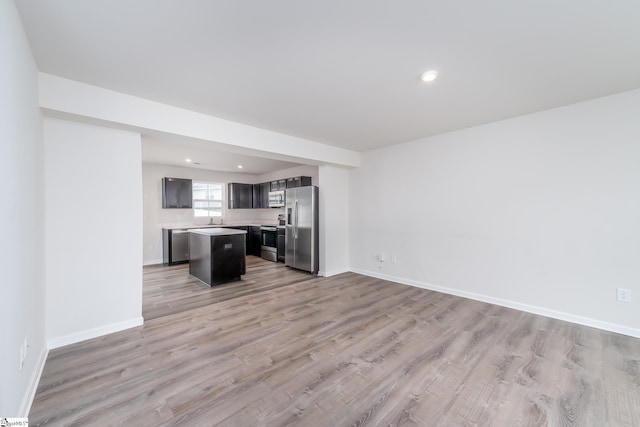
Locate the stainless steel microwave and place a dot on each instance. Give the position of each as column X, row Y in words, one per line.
column 276, row 199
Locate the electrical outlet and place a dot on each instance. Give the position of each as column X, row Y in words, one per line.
column 380, row 257
column 624, row 295
column 394, row 259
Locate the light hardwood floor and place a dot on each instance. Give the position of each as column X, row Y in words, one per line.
column 285, row 348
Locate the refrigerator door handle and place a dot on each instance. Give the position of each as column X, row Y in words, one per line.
column 295, row 234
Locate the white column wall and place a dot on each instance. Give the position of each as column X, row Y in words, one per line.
column 539, row 212
column 93, row 230
column 333, row 183
column 22, row 286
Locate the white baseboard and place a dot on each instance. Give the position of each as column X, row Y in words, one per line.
column 93, row 333
column 153, row 262
column 27, row 399
column 585, row 321
column 333, row 273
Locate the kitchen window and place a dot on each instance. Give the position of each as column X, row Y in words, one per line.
column 207, row 199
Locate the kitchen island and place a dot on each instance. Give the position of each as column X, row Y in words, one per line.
column 217, row 255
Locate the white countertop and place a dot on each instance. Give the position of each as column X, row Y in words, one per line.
column 194, row 226
column 216, row 231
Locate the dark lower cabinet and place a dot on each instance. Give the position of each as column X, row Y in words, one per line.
column 253, row 238
column 253, row 244
column 281, row 247
column 175, row 243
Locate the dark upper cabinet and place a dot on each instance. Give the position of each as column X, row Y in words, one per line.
column 261, row 195
column 264, row 194
column 299, row 181
column 257, row 202
column 256, row 196
column 177, row 193
column 278, row 185
column 240, row 196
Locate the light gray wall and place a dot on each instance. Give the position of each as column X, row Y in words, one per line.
column 539, row 212
column 22, row 290
column 93, row 230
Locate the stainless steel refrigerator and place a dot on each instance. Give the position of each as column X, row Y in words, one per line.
column 301, row 228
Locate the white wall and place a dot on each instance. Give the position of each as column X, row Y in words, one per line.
column 22, row 216
column 93, row 230
column 155, row 217
column 539, row 212
column 334, row 220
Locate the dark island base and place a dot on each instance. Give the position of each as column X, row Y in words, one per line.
column 217, row 256
column 220, row 280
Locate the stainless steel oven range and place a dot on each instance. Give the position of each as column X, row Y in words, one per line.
column 269, row 243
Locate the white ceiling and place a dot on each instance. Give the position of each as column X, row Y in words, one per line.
column 340, row 72
column 169, row 150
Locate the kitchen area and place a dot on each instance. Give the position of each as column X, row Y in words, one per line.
column 258, row 212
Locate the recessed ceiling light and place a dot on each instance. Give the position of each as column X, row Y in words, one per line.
column 239, row 166
column 187, row 160
column 429, row 76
